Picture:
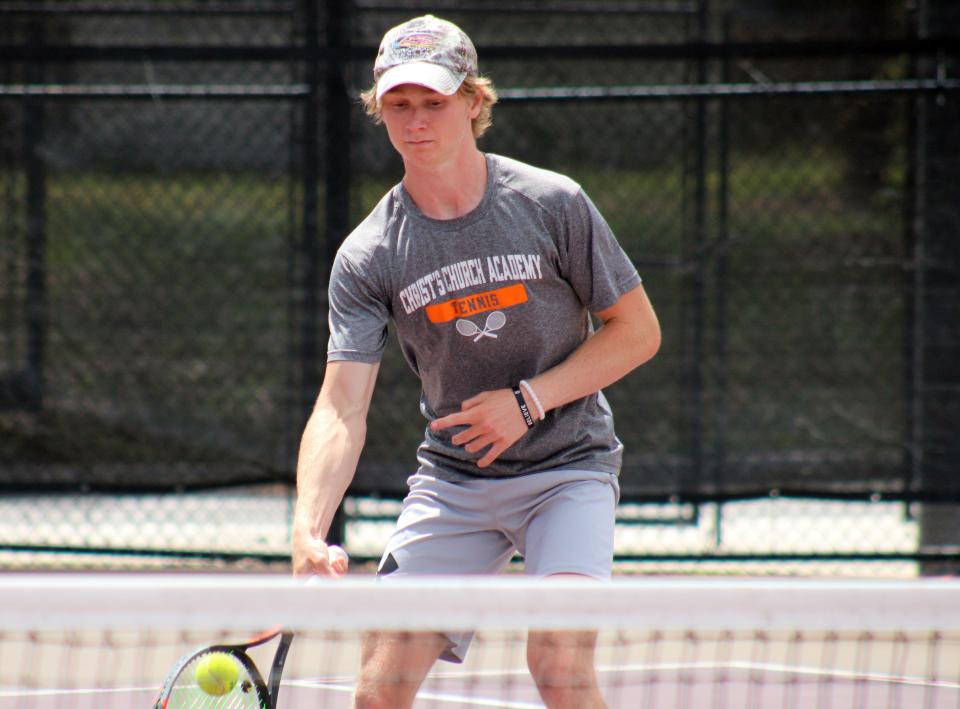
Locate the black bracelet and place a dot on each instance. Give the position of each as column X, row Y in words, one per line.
column 528, row 419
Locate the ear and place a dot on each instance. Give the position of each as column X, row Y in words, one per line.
column 476, row 104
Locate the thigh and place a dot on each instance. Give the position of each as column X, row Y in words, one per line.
column 571, row 531
column 444, row 528
column 393, row 665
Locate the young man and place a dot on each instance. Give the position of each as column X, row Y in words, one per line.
column 489, row 269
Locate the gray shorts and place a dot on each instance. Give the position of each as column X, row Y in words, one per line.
column 561, row 521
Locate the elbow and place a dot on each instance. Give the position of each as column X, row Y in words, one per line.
column 644, row 345
column 646, row 334
column 649, row 345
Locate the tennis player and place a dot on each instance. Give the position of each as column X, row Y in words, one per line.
column 489, row 269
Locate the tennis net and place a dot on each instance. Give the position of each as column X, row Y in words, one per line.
column 109, row 640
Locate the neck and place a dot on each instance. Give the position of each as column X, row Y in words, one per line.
column 451, row 190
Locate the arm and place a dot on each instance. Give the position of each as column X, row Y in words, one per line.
column 329, row 452
column 630, row 336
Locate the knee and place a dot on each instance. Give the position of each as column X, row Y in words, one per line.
column 392, row 667
column 368, row 695
column 561, row 665
column 386, row 685
column 548, row 663
column 561, row 650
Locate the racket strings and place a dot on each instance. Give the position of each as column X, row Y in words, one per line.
column 186, row 693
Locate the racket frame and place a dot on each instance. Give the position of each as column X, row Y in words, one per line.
column 267, row 692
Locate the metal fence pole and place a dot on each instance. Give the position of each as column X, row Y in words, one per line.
column 337, row 109
column 36, row 198
column 695, row 263
column 337, row 152
column 913, row 276
column 719, row 384
column 309, row 281
column 936, row 296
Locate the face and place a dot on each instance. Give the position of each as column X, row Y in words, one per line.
column 426, row 127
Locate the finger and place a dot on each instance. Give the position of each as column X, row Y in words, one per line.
column 339, row 560
column 305, row 559
column 318, row 566
column 321, row 558
column 474, row 401
column 328, row 570
column 467, row 435
column 439, row 424
column 309, row 569
column 480, row 443
column 491, row 456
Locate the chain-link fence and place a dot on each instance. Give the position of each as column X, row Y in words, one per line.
column 175, row 177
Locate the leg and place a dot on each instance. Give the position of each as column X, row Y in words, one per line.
column 442, row 529
column 561, row 663
column 393, row 666
column 569, row 534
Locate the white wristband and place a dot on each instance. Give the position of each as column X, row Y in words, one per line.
column 533, row 397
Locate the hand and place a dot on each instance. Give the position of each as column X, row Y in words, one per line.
column 492, row 419
column 314, row 557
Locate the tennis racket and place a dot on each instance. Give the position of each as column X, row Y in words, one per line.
column 181, row 690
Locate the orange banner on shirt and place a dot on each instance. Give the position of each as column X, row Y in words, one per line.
column 477, row 303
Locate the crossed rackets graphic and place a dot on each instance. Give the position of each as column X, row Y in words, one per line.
column 495, row 321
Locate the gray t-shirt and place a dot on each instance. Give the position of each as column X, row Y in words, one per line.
column 482, row 301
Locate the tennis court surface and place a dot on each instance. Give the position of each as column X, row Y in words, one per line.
column 109, row 640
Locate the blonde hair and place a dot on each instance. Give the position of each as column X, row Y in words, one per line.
column 468, row 89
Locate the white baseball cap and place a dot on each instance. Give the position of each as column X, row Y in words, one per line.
column 426, row 51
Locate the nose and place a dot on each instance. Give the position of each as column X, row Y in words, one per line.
column 417, row 121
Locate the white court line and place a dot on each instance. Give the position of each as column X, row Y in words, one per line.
column 78, row 691
column 823, row 672
column 460, row 674
column 337, row 684
column 317, row 684
column 479, row 702
column 450, row 674
column 457, row 699
column 911, row 680
column 662, row 667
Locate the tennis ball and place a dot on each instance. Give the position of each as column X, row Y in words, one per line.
column 217, row 673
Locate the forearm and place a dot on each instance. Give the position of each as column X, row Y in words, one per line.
column 491, row 420
column 604, row 358
column 329, row 452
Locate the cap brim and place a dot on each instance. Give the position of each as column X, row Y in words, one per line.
column 432, row 76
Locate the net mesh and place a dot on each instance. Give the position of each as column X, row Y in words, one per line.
column 93, row 641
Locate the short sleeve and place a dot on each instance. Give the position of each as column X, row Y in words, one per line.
column 358, row 315
column 593, row 261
